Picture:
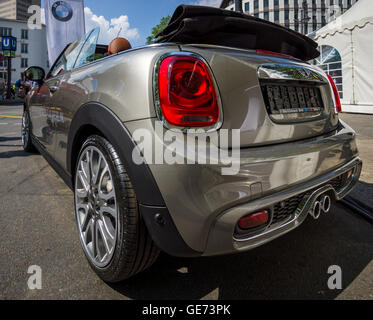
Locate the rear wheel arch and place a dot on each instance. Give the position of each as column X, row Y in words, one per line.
column 95, row 118
column 80, row 137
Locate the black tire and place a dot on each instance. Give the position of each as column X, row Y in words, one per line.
column 134, row 249
column 26, row 133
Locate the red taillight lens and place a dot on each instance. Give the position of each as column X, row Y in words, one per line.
column 186, row 92
column 253, row 220
column 337, row 100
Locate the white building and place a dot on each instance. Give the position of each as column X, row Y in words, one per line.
column 288, row 13
column 346, row 54
column 31, row 48
column 16, row 9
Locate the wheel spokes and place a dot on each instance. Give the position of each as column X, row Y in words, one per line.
column 96, row 246
column 85, row 216
column 106, row 238
column 109, row 223
column 106, row 196
column 88, row 236
column 85, row 183
column 85, row 165
column 82, row 193
column 95, row 167
column 110, row 210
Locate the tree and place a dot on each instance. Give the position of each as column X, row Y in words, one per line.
column 157, row 29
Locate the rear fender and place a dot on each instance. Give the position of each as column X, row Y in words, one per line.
column 100, row 117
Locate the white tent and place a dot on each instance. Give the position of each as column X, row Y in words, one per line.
column 351, row 34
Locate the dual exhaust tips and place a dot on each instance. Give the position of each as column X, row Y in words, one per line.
column 322, row 204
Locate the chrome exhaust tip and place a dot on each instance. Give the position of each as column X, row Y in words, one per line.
column 316, row 210
column 326, row 203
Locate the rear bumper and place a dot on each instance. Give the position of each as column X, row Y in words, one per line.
column 203, row 207
column 222, row 240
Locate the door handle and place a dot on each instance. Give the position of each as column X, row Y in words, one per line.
column 53, row 89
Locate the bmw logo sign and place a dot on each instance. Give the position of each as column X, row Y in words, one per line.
column 62, row 11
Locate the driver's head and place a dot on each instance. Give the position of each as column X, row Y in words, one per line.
column 30, row 75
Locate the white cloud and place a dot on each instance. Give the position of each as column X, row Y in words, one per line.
column 110, row 29
column 209, row 3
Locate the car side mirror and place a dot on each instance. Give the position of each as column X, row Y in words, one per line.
column 36, row 74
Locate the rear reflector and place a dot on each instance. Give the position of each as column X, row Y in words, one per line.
column 349, row 174
column 337, row 100
column 186, row 92
column 253, row 220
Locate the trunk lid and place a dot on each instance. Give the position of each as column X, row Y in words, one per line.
column 268, row 98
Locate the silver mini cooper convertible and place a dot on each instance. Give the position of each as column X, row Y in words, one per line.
column 103, row 117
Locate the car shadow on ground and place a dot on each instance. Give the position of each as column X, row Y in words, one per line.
column 292, row 267
column 362, row 195
column 14, row 153
column 2, row 139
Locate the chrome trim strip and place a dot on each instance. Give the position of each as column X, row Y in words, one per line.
column 290, row 72
column 303, row 209
column 157, row 103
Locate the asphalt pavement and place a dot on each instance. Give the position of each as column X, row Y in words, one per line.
column 363, row 193
column 37, row 227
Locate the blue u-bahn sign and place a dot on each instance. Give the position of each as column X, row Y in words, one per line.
column 9, row 43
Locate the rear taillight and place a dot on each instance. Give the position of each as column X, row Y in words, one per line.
column 187, row 95
column 271, row 53
column 337, row 100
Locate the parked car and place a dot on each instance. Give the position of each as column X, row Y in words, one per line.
column 296, row 156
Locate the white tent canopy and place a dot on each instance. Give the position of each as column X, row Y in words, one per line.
column 351, row 34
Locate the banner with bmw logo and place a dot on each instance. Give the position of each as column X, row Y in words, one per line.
column 65, row 23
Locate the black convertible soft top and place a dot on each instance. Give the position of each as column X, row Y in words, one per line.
column 208, row 25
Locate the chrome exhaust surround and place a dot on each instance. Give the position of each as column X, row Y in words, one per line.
column 326, row 203
column 322, row 204
column 315, row 212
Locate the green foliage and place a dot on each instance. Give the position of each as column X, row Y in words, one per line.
column 157, row 29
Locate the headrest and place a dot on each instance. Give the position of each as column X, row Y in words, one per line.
column 118, row 45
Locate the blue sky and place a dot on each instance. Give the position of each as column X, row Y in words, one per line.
column 135, row 17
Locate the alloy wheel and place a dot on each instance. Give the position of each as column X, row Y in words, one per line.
column 96, row 206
